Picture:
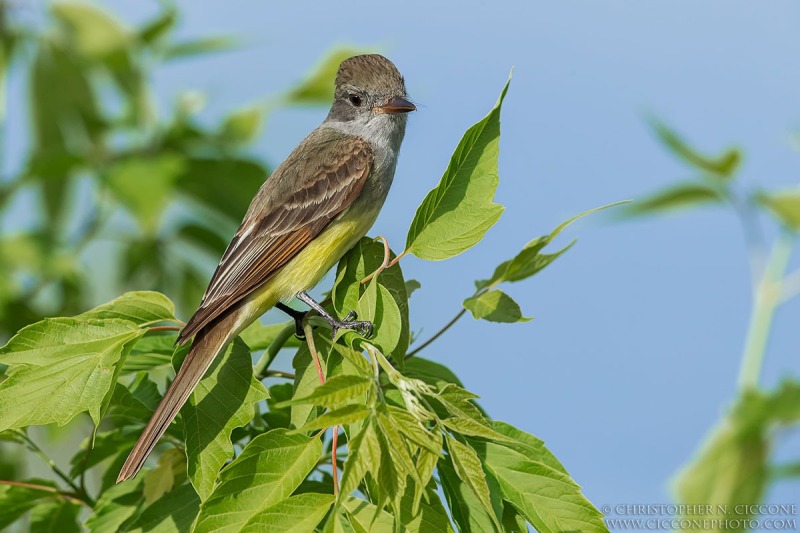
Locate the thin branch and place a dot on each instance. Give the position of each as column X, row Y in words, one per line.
column 767, row 296
column 278, row 374
column 44, row 488
column 56, row 470
column 791, row 286
column 437, row 335
column 272, row 350
column 334, row 466
column 753, row 237
column 309, row 331
column 164, row 328
column 387, row 254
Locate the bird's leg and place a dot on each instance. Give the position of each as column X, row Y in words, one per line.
column 361, row 326
column 298, row 317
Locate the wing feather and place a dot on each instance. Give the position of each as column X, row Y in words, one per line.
column 275, row 231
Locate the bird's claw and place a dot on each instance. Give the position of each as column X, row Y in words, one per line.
column 362, row 327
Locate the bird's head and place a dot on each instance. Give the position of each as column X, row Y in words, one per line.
column 369, row 87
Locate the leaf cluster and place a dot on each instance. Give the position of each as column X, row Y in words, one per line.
column 734, row 465
column 416, row 451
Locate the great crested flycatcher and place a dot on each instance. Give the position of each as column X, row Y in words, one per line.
column 313, row 208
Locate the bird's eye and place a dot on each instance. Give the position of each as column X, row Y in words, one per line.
column 355, row 100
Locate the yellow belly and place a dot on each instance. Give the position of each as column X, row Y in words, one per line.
column 308, row 267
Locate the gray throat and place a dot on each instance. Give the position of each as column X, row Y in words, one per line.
column 384, row 132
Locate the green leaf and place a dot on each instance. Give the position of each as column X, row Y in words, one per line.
column 278, row 417
column 785, row 206
column 528, row 445
column 345, row 415
column 530, row 260
column 684, row 195
column 64, row 118
column 116, row 505
column 472, row 428
column 203, row 238
column 396, row 448
column 161, row 479
column 61, row 367
column 467, row 510
column 97, row 34
column 336, row 391
column 134, row 403
column 269, row 469
column 411, row 286
column 468, row 467
column 458, row 212
column 513, row 522
column 358, row 364
column 144, row 185
column 200, row 46
column 730, row 470
column 366, row 517
column 158, row 28
column 55, row 516
column 242, row 126
column 150, row 353
column 140, row 307
column 731, row 467
column 722, row 167
column 172, row 513
column 317, row 88
column 363, row 457
column 259, row 336
column 108, row 444
column 545, row 495
column 384, row 301
column 430, row 372
column 223, row 400
column 70, row 109
column 307, row 378
column 495, row 306
column 297, row 514
column 430, row 516
column 16, row 501
column 224, row 185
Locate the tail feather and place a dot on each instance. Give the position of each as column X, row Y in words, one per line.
column 207, row 344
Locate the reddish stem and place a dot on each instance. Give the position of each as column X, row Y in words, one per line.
column 165, row 328
column 335, row 445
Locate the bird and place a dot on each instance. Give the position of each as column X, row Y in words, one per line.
column 309, row 212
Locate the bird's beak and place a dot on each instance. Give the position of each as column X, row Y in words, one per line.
column 395, row 104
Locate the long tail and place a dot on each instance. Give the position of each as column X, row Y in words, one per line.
column 205, row 347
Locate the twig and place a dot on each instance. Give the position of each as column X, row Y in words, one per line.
column 164, row 328
column 767, row 296
column 753, row 238
column 387, row 253
column 272, row 351
column 44, row 488
column 437, row 335
column 278, row 374
column 791, row 286
column 309, row 331
column 334, row 466
column 56, row 470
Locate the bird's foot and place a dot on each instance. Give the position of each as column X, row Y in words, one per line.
column 362, row 327
column 298, row 317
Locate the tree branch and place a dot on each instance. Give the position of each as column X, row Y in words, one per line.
column 437, row 335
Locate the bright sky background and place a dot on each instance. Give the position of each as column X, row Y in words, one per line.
column 635, row 349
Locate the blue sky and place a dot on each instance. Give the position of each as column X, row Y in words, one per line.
column 635, row 349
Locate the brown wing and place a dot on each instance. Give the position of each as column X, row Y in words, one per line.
column 295, row 204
